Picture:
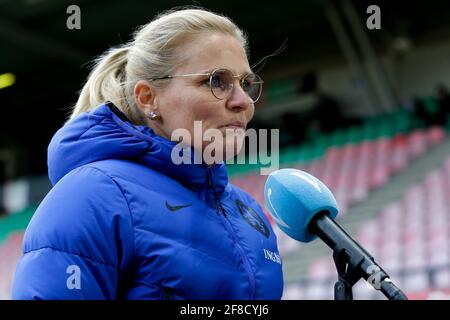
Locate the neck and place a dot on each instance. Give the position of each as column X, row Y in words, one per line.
column 157, row 130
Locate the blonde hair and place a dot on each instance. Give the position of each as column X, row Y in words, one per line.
column 153, row 52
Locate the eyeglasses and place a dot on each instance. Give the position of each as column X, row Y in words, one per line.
column 221, row 82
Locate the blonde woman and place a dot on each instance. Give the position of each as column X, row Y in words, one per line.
column 123, row 221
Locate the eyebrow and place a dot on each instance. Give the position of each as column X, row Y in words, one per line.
column 241, row 73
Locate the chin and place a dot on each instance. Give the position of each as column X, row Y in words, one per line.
column 232, row 149
column 225, row 149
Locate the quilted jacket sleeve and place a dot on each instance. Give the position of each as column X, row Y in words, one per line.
column 79, row 243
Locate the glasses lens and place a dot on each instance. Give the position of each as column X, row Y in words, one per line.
column 252, row 85
column 221, row 82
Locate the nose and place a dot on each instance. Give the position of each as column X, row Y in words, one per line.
column 238, row 100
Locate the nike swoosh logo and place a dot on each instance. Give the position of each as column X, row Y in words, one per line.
column 176, row 208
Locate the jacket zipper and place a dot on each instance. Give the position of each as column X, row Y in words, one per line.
column 227, row 224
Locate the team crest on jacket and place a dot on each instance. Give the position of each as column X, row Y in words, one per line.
column 253, row 218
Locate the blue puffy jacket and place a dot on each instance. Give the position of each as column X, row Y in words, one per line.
column 122, row 221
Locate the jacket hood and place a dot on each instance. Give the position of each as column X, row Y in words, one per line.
column 105, row 133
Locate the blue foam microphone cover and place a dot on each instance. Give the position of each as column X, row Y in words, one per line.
column 293, row 197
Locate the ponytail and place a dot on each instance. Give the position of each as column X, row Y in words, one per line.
column 105, row 82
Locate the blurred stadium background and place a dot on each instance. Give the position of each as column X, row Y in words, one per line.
column 366, row 111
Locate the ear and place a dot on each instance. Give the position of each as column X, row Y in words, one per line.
column 144, row 95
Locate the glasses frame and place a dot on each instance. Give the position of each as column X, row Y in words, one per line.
column 240, row 77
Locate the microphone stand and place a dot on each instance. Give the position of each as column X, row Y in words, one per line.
column 349, row 273
column 347, row 276
column 352, row 261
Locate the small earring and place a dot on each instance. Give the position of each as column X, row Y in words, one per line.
column 153, row 115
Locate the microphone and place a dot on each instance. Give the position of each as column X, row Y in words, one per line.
column 304, row 208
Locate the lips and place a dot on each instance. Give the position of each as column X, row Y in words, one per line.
column 234, row 125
